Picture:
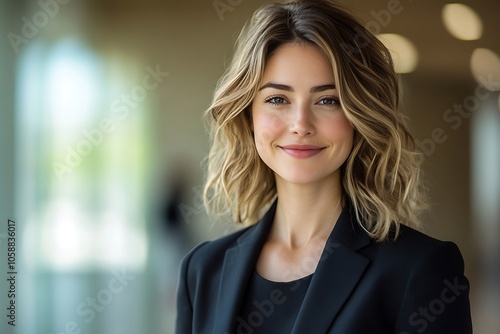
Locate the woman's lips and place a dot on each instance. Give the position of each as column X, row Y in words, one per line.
column 301, row 151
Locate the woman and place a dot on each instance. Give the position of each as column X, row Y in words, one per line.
column 306, row 126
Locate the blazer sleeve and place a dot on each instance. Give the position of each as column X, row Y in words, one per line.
column 436, row 298
column 184, row 314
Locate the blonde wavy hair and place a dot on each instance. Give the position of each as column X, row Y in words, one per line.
column 381, row 177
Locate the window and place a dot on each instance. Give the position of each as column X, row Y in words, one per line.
column 82, row 158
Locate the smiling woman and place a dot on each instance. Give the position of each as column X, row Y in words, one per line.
column 314, row 135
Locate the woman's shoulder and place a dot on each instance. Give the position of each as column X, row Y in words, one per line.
column 417, row 241
column 413, row 248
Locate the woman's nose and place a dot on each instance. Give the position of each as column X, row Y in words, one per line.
column 301, row 121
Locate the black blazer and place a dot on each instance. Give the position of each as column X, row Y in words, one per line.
column 415, row 284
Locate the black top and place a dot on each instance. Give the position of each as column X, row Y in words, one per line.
column 271, row 307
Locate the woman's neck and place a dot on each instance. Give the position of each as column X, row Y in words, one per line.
column 306, row 213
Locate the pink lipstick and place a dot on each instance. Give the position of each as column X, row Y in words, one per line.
column 302, row 151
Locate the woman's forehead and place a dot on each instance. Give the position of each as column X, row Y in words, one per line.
column 300, row 63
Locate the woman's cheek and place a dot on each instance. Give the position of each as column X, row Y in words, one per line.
column 267, row 127
column 342, row 128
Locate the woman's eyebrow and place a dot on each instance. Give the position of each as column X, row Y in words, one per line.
column 315, row 89
column 277, row 86
column 322, row 88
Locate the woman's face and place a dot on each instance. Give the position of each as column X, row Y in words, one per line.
column 299, row 127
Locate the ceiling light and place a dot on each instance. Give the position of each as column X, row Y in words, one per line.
column 403, row 52
column 485, row 67
column 462, row 22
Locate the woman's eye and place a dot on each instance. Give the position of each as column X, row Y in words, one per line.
column 276, row 100
column 330, row 101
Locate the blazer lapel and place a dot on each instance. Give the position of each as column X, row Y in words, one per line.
column 338, row 271
column 239, row 262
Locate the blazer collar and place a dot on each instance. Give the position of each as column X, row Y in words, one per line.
column 338, row 272
column 239, row 263
column 336, row 275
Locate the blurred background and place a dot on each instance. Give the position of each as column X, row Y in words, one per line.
column 102, row 143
